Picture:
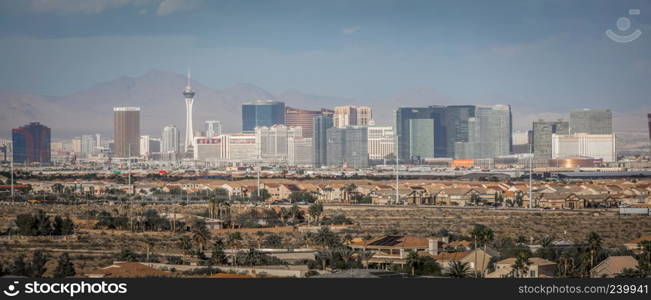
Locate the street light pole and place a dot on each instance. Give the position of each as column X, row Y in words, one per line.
column 530, row 175
column 397, row 167
column 12, row 179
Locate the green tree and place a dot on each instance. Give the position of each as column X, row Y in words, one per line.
column 273, row 241
column 65, row 267
column 521, row 265
column 412, row 262
column 200, row 239
column 39, row 259
column 458, row 269
column 19, row 267
column 218, row 257
column 126, row 255
column 594, row 245
column 326, row 238
column 315, row 210
column 234, row 240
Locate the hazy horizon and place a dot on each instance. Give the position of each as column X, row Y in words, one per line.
column 542, row 57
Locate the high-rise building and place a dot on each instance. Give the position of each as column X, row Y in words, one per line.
column 170, row 143
column 599, row 146
column 31, row 143
column 591, row 121
column 271, row 142
column 126, row 131
column 209, row 148
column 351, row 115
column 299, row 151
column 213, row 128
column 75, row 145
column 144, row 146
column 295, row 117
column 262, row 113
column 241, row 147
column 456, row 125
column 320, row 139
column 542, row 136
column 420, row 132
column 347, row 147
column 520, row 137
column 154, row 146
column 523, row 141
column 489, row 133
column 188, row 94
column 649, row 119
column 6, row 148
column 88, row 145
column 380, row 142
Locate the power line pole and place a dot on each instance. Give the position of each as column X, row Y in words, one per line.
column 12, row 180
column 397, row 167
column 258, row 169
column 129, row 189
column 530, row 175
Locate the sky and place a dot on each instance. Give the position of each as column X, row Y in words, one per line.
column 553, row 52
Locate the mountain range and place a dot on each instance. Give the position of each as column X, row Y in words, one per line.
column 158, row 93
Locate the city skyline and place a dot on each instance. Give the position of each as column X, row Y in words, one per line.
column 630, row 122
column 442, row 53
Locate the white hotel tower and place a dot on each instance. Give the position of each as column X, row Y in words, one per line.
column 189, row 130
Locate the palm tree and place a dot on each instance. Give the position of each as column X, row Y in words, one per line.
column 346, row 255
column 521, row 264
column 366, row 238
column 458, row 269
column 365, row 256
column 347, row 190
column 200, row 239
column 323, row 256
column 326, row 238
column 594, row 245
column 315, row 211
column 481, row 234
column 645, row 246
column 283, row 215
column 566, row 264
column 486, row 237
column 412, row 262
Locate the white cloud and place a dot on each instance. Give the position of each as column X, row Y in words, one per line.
column 167, row 7
column 350, row 30
column 93, row 7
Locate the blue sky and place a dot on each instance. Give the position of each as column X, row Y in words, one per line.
column 512, row 52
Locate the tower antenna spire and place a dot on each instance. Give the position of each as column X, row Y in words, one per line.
column 188, row 77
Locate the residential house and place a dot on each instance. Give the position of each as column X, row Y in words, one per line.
column 477, row 259
column 613, row 266
column 393, row 249
column 634, row 245
column 539, row 268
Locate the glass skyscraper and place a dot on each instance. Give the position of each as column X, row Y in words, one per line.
column 489, row 133
column 262, row 113
column 591, row 121
column 542, row 136
column 31, row 143
column 459, row 131
column 420, row 132
column 347, row 147
column 320, row 139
